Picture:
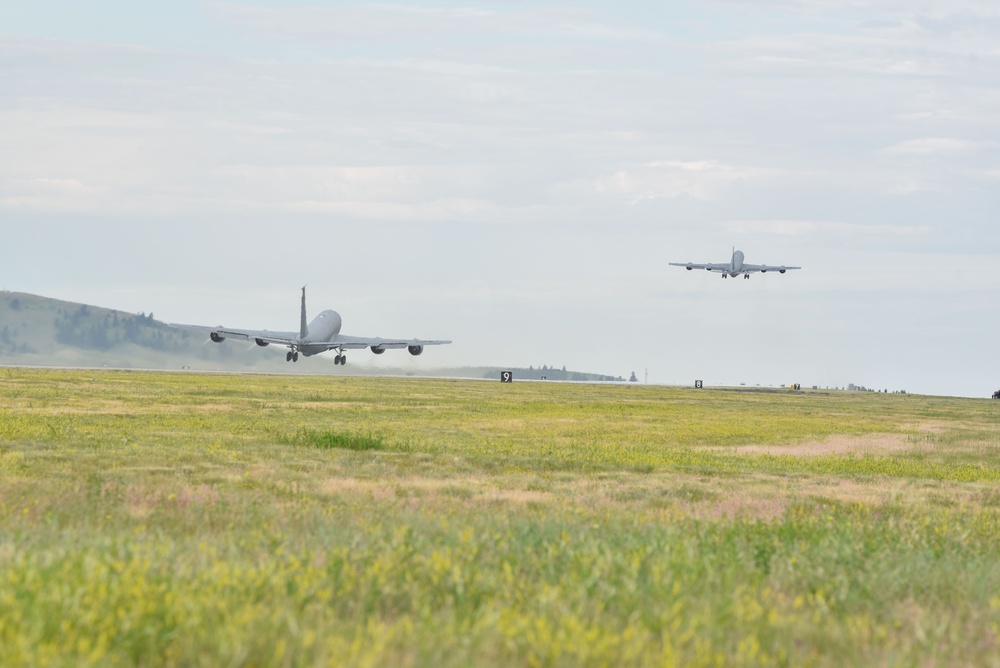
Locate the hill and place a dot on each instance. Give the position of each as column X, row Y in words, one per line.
column 36, row 330
column 39, row 331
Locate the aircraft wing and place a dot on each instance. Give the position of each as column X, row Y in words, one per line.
column 750, row 268
column 695, row 265
column 359, row 342
column 280, row 338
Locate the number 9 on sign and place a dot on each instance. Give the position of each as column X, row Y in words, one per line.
column 506, row 376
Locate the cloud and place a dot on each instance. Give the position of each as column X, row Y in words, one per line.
column 49, row 194
column 391, row 193
column 376, row 22
column 355, row 23
column 872, row 7
column 700, row 179
column 440, row 210
column 346, row 182
column 805, row 228
column 932, row 146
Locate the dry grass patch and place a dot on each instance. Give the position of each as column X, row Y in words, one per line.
column 515, row 496
column 142, row 500
column 837, row 445
column 444, row 491
column 740, row 507
column 353, row 488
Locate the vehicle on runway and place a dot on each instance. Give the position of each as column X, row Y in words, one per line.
column 735, row 267
column 318, row 336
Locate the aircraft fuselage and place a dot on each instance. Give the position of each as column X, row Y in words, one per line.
column 322, row 332
column 736, row 264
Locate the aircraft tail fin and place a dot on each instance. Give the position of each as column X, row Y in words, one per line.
column 303, row 325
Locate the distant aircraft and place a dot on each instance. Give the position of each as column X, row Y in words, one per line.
column 319, row 336
column 735, row 267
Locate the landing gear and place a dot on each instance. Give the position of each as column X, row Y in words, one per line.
column 292, row 356
column 340, row 359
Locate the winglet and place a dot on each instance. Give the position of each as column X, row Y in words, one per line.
column 303, row 327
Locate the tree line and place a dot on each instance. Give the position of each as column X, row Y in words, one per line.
column 84, row 329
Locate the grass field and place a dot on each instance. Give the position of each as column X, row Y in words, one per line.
column 182, row 519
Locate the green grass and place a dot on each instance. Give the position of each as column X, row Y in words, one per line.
column 174, row 519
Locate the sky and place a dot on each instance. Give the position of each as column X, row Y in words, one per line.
column 515, row 176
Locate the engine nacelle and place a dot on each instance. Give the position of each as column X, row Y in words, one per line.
column 689, row 267
column 262, row 343
column 415, row 350
column 764, row 271
column 378, row 350
column 781, row 271
column 215, row 337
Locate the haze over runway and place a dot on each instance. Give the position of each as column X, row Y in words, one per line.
column 515, row 177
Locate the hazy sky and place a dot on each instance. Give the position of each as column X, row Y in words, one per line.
column 515, row 176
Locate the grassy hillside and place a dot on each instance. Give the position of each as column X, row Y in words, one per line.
column 39, row 331
column 209, row 519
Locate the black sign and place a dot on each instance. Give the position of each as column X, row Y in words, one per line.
column 506, row 376
column 697, row 384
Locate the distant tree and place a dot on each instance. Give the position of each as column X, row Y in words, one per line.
column 633, row 378
column 97, row 337
column 564, row 368
column 15, row 304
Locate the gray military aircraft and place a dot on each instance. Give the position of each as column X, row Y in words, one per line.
column 735, row 267
column 318, row 336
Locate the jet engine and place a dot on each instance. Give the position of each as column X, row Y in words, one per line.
column 378, row 350
column 262, row 343
column 415, row 350
column 215, row 337
column 781, row 271
column 689, row 267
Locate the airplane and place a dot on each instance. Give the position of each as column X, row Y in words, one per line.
column 735, row 267
column 319, row 336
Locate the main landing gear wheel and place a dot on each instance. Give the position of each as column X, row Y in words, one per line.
column 288, row 356
column 340, row 359
column 291, row 356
